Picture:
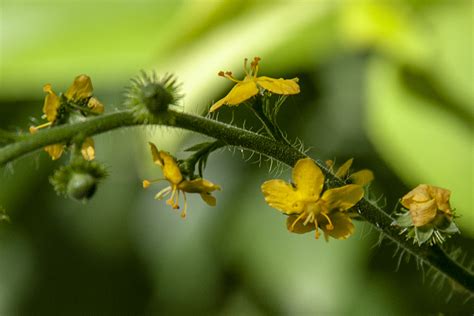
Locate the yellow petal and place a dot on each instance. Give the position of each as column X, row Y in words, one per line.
column 442, row 198
column 279, row 86
column 423, row 212
column 198, row 186
column 87, row 150
column 241, row 92
column 55, row 151
column 170, row 168
column 418, row 194
column 81, row 88
column 299, row 227
column 343, row 198
column 342, row 171
column 282, row 196
column 342, row 225
column 362, row 177
column 51, row 103
column 95, row 106
column 155, row 155
column 209, row 199
column 308, row 178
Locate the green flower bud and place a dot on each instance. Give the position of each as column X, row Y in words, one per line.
column 81, row 186
column 149, row 96
column 78, row 180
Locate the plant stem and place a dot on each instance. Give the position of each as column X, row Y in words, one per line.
column 234, row 136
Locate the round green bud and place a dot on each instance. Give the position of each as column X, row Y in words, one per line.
column 156, row 97
column 81, row 186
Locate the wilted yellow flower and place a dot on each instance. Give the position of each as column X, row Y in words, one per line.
column 425, row 202
column 361, row 177
column 309, row 210
column 172, row 174
column 80, row 90
column 247, row 88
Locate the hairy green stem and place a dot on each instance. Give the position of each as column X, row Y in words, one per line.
column 233, row 136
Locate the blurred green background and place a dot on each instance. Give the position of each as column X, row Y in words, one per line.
column 386, row 82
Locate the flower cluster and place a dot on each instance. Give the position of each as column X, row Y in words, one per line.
column 59, row 109
column 308, row 207
column 178, row 183
column 427, row 215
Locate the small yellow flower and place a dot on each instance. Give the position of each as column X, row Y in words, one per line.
column 172, row 174
column 425, row 202
column 247, row 88
column 80, row 90
column 362, row 177
column 309, row 210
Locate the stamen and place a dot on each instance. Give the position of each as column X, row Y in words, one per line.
column 183, row 213
column 329, row 226
column 246, row 70
column 292, row 227
column 176, row 205
column 163, row 193
column 147, row 183
column 34, row 129
column 170, row 201
column 309, row 219
column 316, row 234
column 221, row 73
column 254, row 66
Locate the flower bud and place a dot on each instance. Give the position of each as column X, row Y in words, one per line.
column 81, row 186
column 78, row 180
column 150, row 96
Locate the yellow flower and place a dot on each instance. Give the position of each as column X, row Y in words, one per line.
column 425, row 202
column 309, row 210
column 172, row 174
column 80, row 90
column 247, row 88
column 361, row 177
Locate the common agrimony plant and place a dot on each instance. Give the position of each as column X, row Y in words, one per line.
column 320, row 198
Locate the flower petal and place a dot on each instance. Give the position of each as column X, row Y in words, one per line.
column 55, row 151
column 299, row 227
column 81, row 88
column 442, row 198
column 241, row 92
column 282, row 196
column 362, row 177
column 308, row 178
column 342, row 224
column 423, row 212
column 95, row 106
column 170, row 168
column 198, row 186
column 279, row 86
column 209, row 199
column 87, row 150
column 418, row 194
column 155, row 155
column 343, row 198
column 51, row 103
column 342, row 170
